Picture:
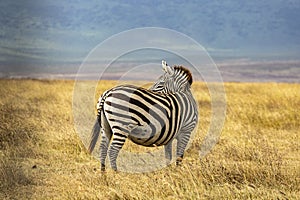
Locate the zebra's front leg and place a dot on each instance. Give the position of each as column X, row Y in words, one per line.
column 103, row 149
column 181, row 146
column 168, row 152
column 114, row 149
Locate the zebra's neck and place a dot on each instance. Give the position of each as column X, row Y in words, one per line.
column 185, row 89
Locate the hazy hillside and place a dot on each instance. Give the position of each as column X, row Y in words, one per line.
column 57, row 31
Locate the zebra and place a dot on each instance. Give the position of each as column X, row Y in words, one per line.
column 149, row 117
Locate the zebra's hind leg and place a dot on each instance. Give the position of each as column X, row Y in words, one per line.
column 103, row 149
column 181, row 146
column 116, row 145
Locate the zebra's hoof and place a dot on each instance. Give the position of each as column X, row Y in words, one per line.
column 114, row 168
column 179, row 161
column 102, row 168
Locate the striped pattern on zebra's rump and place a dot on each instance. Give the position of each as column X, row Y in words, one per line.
column 147, row 118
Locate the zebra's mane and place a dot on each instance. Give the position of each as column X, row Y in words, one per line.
column 185, row 71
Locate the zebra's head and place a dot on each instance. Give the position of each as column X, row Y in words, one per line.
column 176, row 78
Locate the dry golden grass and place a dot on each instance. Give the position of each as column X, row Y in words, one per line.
column 257, row 156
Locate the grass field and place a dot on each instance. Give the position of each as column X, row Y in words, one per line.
column 257, row 156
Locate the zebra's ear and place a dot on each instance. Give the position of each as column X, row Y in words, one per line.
column 167, row 68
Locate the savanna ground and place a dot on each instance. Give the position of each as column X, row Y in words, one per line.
column 256, row 157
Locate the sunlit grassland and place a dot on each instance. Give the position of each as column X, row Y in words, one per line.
column 256, row 157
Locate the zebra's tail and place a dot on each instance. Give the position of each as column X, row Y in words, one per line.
column 97, row 125
column 95, row 134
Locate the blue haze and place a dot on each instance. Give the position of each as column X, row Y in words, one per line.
column 42, row 36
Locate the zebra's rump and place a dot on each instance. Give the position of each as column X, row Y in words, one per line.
column 144, row 116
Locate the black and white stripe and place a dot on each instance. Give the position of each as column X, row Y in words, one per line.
column 148, row 117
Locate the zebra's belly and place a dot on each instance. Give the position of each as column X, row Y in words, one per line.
column 146, row 135
column 148, row 142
